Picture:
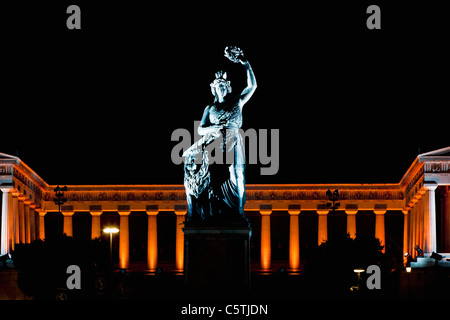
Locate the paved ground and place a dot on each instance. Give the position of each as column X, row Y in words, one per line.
column 429, row 283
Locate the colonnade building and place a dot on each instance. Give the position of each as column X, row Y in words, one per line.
column 419, row 206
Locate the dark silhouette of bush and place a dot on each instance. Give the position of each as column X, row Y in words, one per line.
column 42, row 265
column 329, row 273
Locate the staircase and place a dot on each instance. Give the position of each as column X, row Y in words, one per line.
column 427, row 261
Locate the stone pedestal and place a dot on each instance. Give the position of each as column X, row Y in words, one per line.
column 217, row 257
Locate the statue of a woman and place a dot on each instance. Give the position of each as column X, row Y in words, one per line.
column 217, row 191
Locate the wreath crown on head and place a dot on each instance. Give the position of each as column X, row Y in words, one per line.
column 221, row 77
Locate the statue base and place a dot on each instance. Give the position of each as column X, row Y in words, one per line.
column 217, row 258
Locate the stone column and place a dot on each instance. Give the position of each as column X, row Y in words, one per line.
column 421, row 227
column 266, row 249
column 412, row 240
column 96, row 212
column 32, row 213
column 5, row 244
column 152, row 238
column 416, row 226
column 379, row 225
column 431, row 215
column 446, row 207
column 351, row 220
column 294, row 240
column 42, row 224
column 26, row 214
column 67, row 223
column 21, row 199
column 406, row 232
column 15, row 209
column 179, row 246
column 323, row 225
column 124, row 239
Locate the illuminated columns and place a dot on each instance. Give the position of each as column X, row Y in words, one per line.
column 15, row 209
column 431, row 239
column 42, row 224
column 406, row 232
column 124, row 239
column 67, row 223
column 179, row 246
column 32, row 214
column 379, row 225
column 351, row 221
column 21, row 199
column 323, row 226
column 5, row 244
column 95, row 212
column 152, row 238
column 265, row 237
column 446, row 206
column 294, row 242
column 26, row 214
column 422, row 196
column 415, row 223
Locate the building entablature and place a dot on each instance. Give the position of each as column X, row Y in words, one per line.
column 428, row 167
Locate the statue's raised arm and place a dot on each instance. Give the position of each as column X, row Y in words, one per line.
column 236, row 55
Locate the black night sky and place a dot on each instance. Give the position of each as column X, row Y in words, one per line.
column 99, row 105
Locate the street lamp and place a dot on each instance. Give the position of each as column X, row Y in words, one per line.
column 358, row 271
column 334, row 198
column 333, row 205
column 110, row 231
column 59, row 200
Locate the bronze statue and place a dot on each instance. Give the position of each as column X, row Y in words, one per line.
column 217, row 191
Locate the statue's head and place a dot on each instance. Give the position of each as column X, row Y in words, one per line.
column 220, row 87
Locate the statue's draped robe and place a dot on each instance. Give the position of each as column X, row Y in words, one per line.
column 217, row 189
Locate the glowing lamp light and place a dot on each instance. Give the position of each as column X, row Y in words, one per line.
column 408, row 269
column 110, row 230
column 358, row 271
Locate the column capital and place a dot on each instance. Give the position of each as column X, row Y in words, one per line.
column 322, row 209
column 380, row 208
column 67, row 213
column 430, row 185
column 351, row 209
column 16, row 193
column 152, row 210
column 294, row 210
column 124, row 210
column 265, row 209
column 180, row 210
column 7, row 189
column 95, row 210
